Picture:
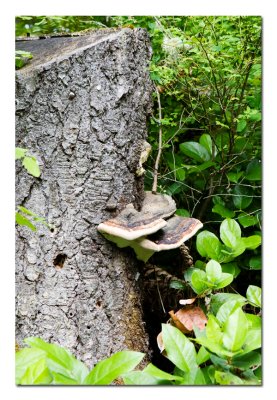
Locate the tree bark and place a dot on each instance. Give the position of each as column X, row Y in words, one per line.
column 81, row 110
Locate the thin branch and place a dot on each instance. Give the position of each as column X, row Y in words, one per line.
column 156, row 168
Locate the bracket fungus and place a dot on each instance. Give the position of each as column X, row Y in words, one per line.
column 147, row 231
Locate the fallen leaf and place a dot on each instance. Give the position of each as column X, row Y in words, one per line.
column 187, row 317
column 187, row 301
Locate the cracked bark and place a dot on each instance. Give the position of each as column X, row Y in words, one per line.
column 81, row 109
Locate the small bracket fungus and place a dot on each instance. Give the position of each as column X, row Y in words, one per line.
column 131, row 228
column 173, row 235
column 130, row 225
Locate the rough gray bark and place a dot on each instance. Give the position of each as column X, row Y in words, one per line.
column 81, row 110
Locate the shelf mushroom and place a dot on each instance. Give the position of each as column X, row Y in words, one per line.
column 147, row 231
column 131, row 224
column 176, row 232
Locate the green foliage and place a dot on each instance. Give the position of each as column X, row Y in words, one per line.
column 45, row 363
column 23, row 220
column 22, row 58
column 29, row 162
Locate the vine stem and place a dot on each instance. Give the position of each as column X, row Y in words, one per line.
column 157, row 162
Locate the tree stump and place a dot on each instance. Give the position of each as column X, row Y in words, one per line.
column 81, row 110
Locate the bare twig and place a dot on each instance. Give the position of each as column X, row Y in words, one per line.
column 156, row 168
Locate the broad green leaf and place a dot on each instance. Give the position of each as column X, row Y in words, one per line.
column 60, row 379
column 182, row 212
column 207, row 371
column 143, row 378
column 241, row 125
column 255, row 262
column 177, row 285
column 214, row 347
column 249, row 378
column 23, row 221
column 26, row 211
column 37, row 374
column 254, row 295
column 31, row 165
column 234, row 176
column 223, row 211
column 20, row 153
column 248, row 360
column 202, row 356
column 235, row 330
column 218, row 299
column 193, row 377
column 198, row 281
column 231, row 268
column 213, row 271
column 224, row 281
column 158, row 373
column 208, row 245
column 195, row 151
column 247, row 220
column 222, row 363
column 227, row 378
column 230, row 233
column 254, row 170
column 60, row 360
column 242, row 197
column 253, row 340
column 108, row 370
column 226, row 309
column 252, row 242
column 198, row 168
column 213, row 330
column 178, row 348
column 206, row 141
column 25, row 358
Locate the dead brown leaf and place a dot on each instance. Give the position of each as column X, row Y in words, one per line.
column 188, row 317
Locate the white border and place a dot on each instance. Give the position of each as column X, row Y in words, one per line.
column 116, row 7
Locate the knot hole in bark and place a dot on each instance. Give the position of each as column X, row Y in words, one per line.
column 59, row 260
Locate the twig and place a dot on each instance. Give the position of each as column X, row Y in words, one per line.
column 156, row 168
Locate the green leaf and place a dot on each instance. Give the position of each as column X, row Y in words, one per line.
column 247, row 220
column 202, row 356
column 108, row 370
column 227, row 378
column 179, row 349
column 253, row 339
column 37, row 374
column 213, row 271
column 143, row 378
column 214, row 347
column 227, row 309
column 25, row 358
column 213, row 330
column 234, row 176
column 206, row 141
column 195, row 151
column 60, row 379
column 254, row 170
column 254, row 295
column 218, row 299
column 31, row 165
column 223, row 211
column 252, row 242
column 20, row 153
column 208, row 245
column 230, row 233
column 231, row 268
column 248, row 360
column 255, row 262
column 241, row 125
column 158, row 373
column 26, row 211
column 224, row 281
column 235, row 330
column 177, row 285
column 182, row 212
column 242, row 197
column 59, row 359
column 198, row 281
column 23, row 221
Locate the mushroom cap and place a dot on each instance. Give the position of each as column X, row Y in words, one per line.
column 177, row 231
column 130, row 225
column 158, row 205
